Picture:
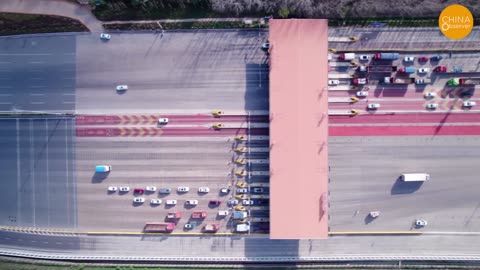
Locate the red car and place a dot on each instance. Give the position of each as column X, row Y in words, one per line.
column 139, row 190
column 440, row 69
column 214, row 203
column 422, row 59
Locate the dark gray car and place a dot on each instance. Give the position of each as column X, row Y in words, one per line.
column 165, row 190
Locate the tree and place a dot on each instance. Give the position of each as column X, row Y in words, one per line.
column 283, row 12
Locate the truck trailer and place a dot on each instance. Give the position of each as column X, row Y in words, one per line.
column 386, row 56
column 159, row 227
column 174, row 215
column 381, row 69
column 392, row 80
column 202, row 214
column 407, row 70
column 469, row 81
column 347, row 56
column 213, row 227
column 413, row 177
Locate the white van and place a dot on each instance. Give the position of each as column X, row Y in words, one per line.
column 410, row 177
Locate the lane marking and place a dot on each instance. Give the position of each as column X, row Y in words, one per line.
column 37, row 94
column 68, row 94
column 6, row 87
column 37, row 102
column 47, row 174
column 32, row 170
column 36, row 62
column 67, row 171
column 24, row 54
column 6, row 103
column 5, row 95
column 68, row 102
column 18, row 169
column 38, row 86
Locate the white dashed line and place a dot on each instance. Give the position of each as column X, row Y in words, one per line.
column 37, row 102
column 37, row 94
column 38, row 86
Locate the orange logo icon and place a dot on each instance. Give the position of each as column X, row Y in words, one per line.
column 455, row 22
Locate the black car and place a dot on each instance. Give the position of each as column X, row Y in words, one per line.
column 436, row 58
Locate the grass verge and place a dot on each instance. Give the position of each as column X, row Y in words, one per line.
column 17, row 23
column 185, row 25
column 388, row 22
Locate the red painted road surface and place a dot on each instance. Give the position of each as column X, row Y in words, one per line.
column 426, row 118
column 173, row 119
column 403, row 130
column 154, row 132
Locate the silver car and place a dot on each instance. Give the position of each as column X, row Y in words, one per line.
column 432, row 106
column 183, row 189
column 139, row 200
column 105, row 36
column 124, row 189
column 155, row 201
column 122, row 87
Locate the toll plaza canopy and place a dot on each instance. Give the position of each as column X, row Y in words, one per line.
column 298, row 129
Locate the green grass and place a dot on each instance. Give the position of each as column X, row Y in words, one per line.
column 17, row 23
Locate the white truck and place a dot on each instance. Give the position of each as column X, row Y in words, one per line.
column 243, row 228
column 411, row 177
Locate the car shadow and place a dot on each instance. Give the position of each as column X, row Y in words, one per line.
column 402, row 187
column 368, row 219
column 99, row 177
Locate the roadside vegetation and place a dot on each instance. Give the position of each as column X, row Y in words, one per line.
column 184, row 25
column 332, row 9
column 16, row 24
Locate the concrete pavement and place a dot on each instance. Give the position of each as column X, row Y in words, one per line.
column 54, row 7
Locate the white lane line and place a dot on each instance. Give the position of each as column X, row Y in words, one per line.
column 68, row 102
column 38, row 86
column 18, row 170
column 37, row 102
column 32, row 170
column 5, row 62
column 5, row 103
column 68, row 78
column 23, row 54
column 34, row 241
column 36, row 62
column 72, row 53
column 45, row 242
column 69, row 94
column 6, row 87
column 48, row 174
column 5, row 95
column 67, row 172
column 37, row 94
column 7, row 238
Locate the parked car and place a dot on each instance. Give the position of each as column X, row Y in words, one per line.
column 373, row 106
column 420, row 81
column 183, row 189
column 232, row 202
column 190, row 225
column 139, row 190
column 421, row 223
column 430, row 94
column 364, row 57
column 155, row 201
column 112, row 189
column 241, row 196
column 225, row 190
column 151, row 188
column 124, row 189
column 242, row 190
column 171, row 202
column 423, row 70
column 162, row 121
column 165, row 190
column 422, row 59
column 138, row 200
column 223, row 213
column 203, row 189
column 247, row 202
column 432, row 106
column 122, row 87
column 333, row 82
column 214, row 202
column 362, row 93
column 469, row 103
column 191, row 202
column 436, row 58
column 409, row 59
column 239, row 208
column 241, row 184
column 258, row 190
column 266, row 45
column 105, row 36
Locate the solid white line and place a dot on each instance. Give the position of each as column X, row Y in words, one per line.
column 66, row 170
column 23, row 54
column 69, row 102
column 38, row 86
column 37, row 102
column 37, row 94
column 4, row 62
column 5, row 95
column 68, row 94
column 18, row 171
column 5, row 103
column 403, row 124
column 48, row 174
column 36, row 62
column 32, row 172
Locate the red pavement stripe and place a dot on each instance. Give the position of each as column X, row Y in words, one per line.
column 97, row 120
column 406, row 118
column 403, row 130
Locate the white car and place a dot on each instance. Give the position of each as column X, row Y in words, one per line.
column 242, row 190
column 191, row 202
column 364, row 57
column 122, row 87
column 151, row 188
column 430, row 94
column 409, row 59
column 155, row 201
column 232, row 202
column 225, row 190
column 162, row 121
column 203, row 189
column 247, row 202
column 333, row 82
column 112, row 189
column 469, row 103
column 423, row 70
column 223, row 213
column 139, row 200
column 124, row 189
column 432, row 106
column 421, row 223
column 171, row 202
column 105, row 36
column 183, row 189
column 362, row 93
column 373, row 106
column 420, row 81
column 266, row 45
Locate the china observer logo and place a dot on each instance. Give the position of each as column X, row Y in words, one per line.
column 455, row 22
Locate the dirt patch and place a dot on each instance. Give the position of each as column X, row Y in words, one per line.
column 17, row 23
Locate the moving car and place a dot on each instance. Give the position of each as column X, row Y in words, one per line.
column 103, row 168
column 421, row 223
column 112, row 189
column 436, row 58
column 214, row 202
column 409, row 59
column 203, row 189
column 171, row 202
column 183, row 189
column 333, row 82
column 165, row 190
column 151, row 188
column 242, row 190
column 155, row 201
column 239, row 208
column 139, row 190
column 420, row 81
column 362, row 93
column 432, row 106
column 223, row 213
column 105, row 36
column 373, row 106
column 241, row 196
column 122, row 87
column 266, row 45
column 191, row 202
column 138, row 200
column 422, row 59
column 364, row 57
column 124, row 189
column 258, row 190
column 423, row 70
column 232, row 202
column 162, row 121
column 225, row 190
column 469, row 103
column 430, row 94
column 247, row 202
